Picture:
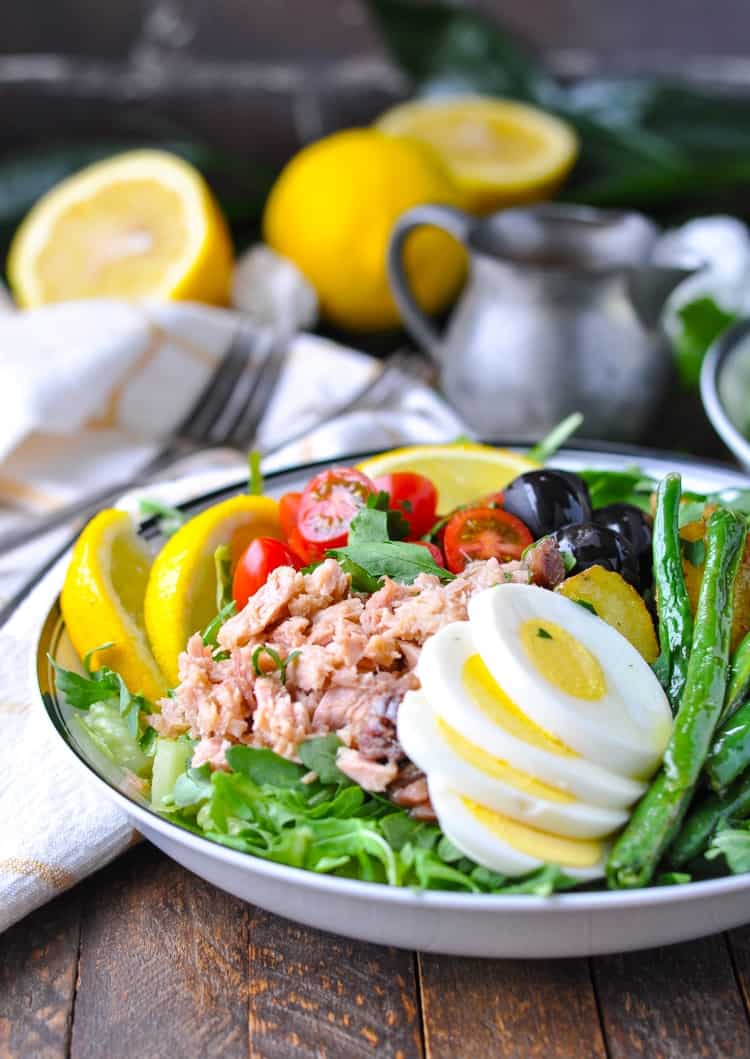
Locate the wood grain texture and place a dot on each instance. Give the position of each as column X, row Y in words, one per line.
column 680, row 1002
column 163, row 965
column 316, row 995
column 739, row 948
column 514, row 1009
column 38, row 960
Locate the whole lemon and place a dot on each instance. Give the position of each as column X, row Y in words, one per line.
column 332, row 211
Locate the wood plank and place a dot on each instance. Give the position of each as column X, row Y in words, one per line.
column 739, row 947
column 680, row 1002
column 317, row 996
column 514, row 1009
column 163, row 965
column 38, row 960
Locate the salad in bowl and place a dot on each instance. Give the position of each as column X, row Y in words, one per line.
column 447, row 668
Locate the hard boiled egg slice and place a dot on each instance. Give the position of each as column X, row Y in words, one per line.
column 574, row 675
column 507, row 846
column 439, row 750
column 460, row 689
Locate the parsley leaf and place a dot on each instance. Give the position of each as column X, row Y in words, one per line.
column 586, row 605
column 397, row 525
column 399, row 560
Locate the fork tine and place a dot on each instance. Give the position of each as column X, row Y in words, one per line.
column 209, row 404
column 245, row 428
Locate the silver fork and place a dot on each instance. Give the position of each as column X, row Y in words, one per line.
column 226, row 413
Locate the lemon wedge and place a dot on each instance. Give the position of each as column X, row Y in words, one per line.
column 181, row 590
column 140, row 225
column 499, row 153
column 102, row 601
column 461, row 472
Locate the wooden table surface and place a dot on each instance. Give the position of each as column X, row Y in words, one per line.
column 146, row 960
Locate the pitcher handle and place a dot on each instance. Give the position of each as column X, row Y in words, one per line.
column 450, row 220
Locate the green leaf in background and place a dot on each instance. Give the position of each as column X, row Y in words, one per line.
column 645, row 143
column 449, row 48
column 701, row 323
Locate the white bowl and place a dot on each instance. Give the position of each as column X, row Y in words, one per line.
column 575, row 924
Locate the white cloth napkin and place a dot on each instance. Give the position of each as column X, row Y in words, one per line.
column 86, row 390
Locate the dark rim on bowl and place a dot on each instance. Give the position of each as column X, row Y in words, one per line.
column 713, row 364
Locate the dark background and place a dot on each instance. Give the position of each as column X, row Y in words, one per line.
column 264, row 75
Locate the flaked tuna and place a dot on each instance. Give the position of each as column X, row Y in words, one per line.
column 354, row 660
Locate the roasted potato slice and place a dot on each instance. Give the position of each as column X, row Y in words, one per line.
column 693, row 559
column 617, row 603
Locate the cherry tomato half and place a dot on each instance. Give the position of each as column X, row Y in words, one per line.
column 262, row 555
column 414, row 496
column 435, row 552
column 483, row 533
column 288, row 512
column 328, row 505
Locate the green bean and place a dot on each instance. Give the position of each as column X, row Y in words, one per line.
column 705, row 690
column 706, row 818
column 730, row 751
column 739, row 678
column 673, row 605
column 654, row 823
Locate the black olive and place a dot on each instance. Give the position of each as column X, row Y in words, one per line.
column 589, row 544
column 635, row 526
column 545, row 500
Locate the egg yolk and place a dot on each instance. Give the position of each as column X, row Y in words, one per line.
column 562, row 659
column 498, row 769
column 487, row 694
column 567, row 852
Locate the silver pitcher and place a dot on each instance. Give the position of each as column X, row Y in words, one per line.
column 561, row 312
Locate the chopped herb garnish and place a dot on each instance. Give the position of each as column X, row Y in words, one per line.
column 373, row 555
column 255, row 477
column 280, row 664
column 170, row 519
column 556, row 438
column 543, row 634
column 569, row 561
column 211, row 631
column 586, row 606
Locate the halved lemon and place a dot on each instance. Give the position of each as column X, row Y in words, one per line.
column 499, row 153
column 102, row 601
column 181, row 590
column 462, row 472
column 140, row 225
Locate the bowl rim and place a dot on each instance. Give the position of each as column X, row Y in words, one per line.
column 586, row 902
column 711, row 369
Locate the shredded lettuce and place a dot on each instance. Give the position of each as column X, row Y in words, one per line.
column 330, row 825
